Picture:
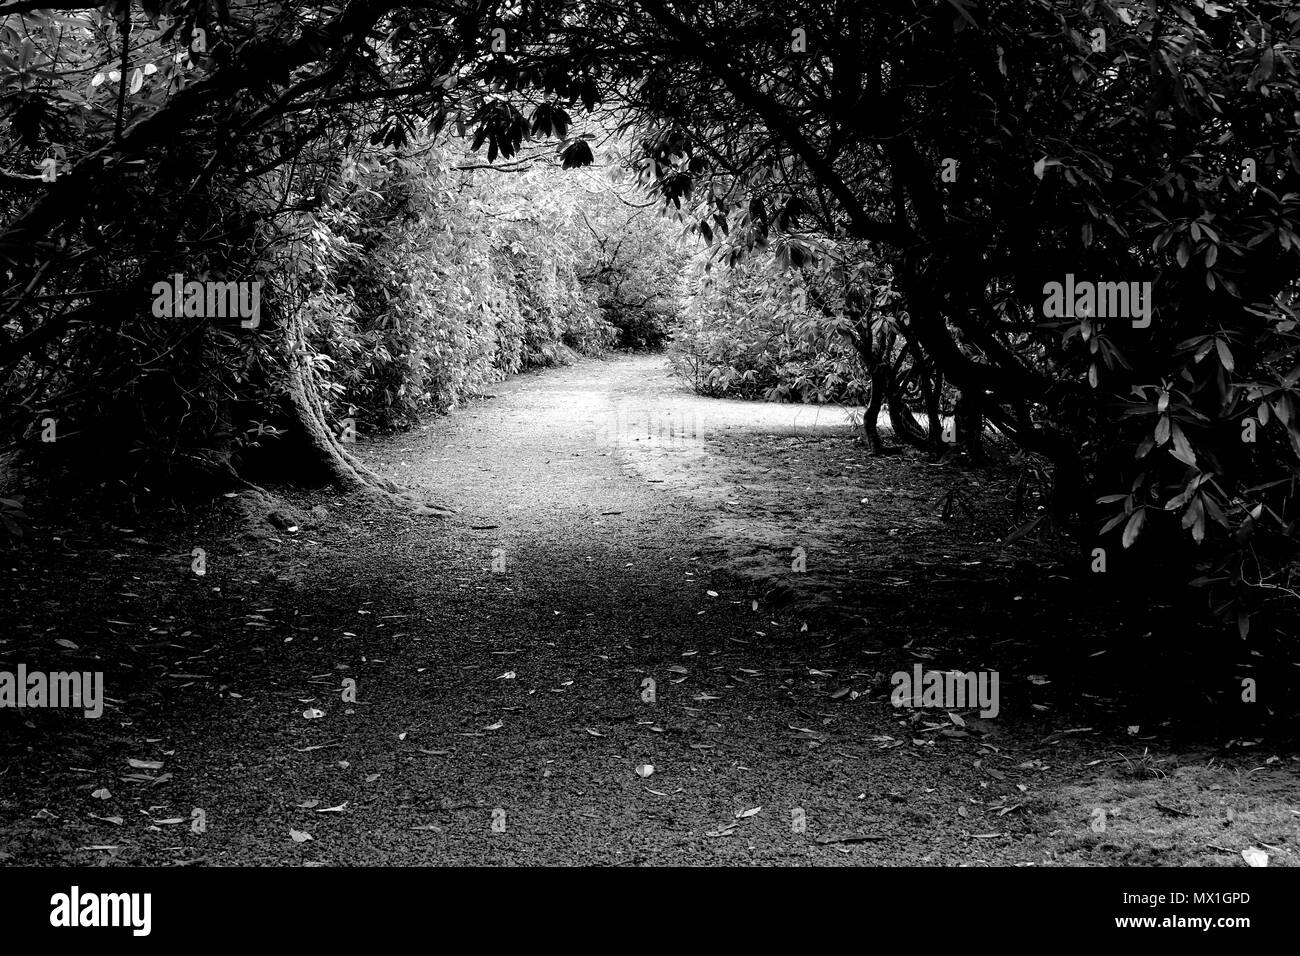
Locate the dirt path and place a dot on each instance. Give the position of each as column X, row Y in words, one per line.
column 610, row 528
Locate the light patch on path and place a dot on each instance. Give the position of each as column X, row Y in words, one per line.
column 544, row 446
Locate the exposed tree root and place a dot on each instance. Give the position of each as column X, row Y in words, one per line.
column 331, row 461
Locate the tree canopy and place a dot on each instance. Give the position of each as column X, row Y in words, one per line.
column 967, row 158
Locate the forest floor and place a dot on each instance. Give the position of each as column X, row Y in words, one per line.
column 610, row 526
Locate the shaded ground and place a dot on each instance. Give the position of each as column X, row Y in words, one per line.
column 638, row 531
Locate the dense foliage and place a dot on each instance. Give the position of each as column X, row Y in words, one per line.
column 987, row 150
column 399, row 272
column 433, row 282
column 923, row 171
column 748, row 334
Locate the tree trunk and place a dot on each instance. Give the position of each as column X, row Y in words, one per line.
column 328, row 458
column 932, row 390
column 904, row 424
column 885, row 388
column 871, row 419
column 901, row 420
column 968, row 419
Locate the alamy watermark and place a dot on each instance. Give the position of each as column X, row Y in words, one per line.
column 209, row 299
column 663, row 427
column 1098, row 300
column 82, row 690
column 76, row 909
column 946, row 690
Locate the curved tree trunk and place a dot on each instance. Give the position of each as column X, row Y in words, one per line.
column 873, row 353
column 871, row 420
column 862, row 344
column 904, row 424
column 932, row 390
column 329, row 458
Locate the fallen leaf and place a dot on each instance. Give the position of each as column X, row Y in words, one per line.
column 742, row 814
column 1254, row 856
column 145, row 764
column 299, row 836
column 849, row 838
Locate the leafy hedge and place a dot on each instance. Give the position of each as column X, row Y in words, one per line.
column 434, row 283
column 746, row 335
column 405, row 280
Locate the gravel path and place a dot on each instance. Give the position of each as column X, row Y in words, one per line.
column 500, row 660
